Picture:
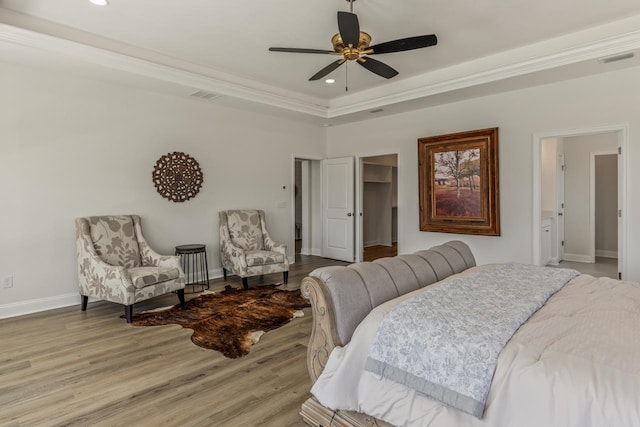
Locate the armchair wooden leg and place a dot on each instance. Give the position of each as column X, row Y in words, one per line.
column 224, row 272
column 285, row 275
column 128, row 312
column 181, row 295
column 245, row 282
column 84, row 300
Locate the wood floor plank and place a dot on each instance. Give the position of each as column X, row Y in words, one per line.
column 73, row 368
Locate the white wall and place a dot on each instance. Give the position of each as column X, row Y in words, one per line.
column 73, row 147
column 577, row 206
column 606, row 168
column 575, row 104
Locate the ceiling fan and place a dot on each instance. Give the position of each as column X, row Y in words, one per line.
column 353, row 45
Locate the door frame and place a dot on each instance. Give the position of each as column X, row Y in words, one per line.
column 359, row 199
column 622, row 131
column 592, row 199
column 308, row 230
column 559, row 243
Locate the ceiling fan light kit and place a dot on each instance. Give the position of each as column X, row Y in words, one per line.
column 354, row 45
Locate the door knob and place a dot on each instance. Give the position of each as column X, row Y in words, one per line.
column 560, row 214
column 349, row 214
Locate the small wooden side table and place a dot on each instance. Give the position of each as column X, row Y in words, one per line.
column 194, row 264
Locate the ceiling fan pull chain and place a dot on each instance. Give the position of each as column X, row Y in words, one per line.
column 346, row 77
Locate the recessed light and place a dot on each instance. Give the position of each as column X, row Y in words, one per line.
column 330, row 81
column 100, row 2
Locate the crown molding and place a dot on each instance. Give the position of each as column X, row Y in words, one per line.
column 547, row 55
column 605, row 40
column 221, row 85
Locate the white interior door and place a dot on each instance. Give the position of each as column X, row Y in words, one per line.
column 338, row 208
column 620, row 201
column 560, row 207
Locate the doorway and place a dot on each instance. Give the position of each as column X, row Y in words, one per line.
column 579, row 195
column 379, row 206
column 306, row 207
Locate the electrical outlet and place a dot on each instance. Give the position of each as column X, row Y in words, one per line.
column 7, row 282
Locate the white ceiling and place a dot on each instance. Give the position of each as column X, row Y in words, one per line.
column 223, row 46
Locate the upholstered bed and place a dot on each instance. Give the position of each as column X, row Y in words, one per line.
column 574, row 362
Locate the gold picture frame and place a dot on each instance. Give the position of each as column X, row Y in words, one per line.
column 459, row 185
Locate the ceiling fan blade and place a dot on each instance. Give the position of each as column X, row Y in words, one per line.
column 409, row 43
column 326, row 70
column 297, row 50
column 380, row 68
column 349, row 28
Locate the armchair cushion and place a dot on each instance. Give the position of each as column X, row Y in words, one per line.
column 114, row 240
column 263, row 258
column 245, row 229
column 146, row 276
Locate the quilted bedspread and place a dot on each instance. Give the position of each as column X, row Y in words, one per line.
column 445, row 342
column 574, row 363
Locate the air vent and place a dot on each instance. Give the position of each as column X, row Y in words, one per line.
column 377, row 110
column 204, row 95
column 616, row 58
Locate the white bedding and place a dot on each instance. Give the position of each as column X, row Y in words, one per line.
column 576, row 362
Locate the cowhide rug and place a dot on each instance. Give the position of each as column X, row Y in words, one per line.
column 232, row 320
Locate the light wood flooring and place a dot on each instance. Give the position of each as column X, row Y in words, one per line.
column 370, row 253
column 603, row 267
column 380, row 251
column 73, row 368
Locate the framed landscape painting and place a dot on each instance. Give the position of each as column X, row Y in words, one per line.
column 459, row 183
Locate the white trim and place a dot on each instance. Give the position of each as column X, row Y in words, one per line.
column 554, row 261
column 605, row 40
column 222, row 83
column 307, row 228
column 359, row 225
column 372, row 243
column 559, row 225
column 59, row 301
column 216, row 273
column 579, row 258
column 606, row 254
column 592, row 199
column 623, row 143
column 360, row 244
column 39, row 304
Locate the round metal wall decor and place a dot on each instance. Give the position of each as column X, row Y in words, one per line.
column 177, row 176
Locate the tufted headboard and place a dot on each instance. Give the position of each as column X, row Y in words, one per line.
column 342, row 296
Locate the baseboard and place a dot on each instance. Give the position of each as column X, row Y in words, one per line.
column 215, row 273
column 606, row 254
column 371, row 243
column 291, row 259
column 553, row 261
column 310, row 251
column 40, row 304
column 578, row 258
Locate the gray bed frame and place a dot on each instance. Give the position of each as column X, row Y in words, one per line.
column 341, row 297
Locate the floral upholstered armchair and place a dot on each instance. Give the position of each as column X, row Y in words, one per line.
column 116, row 264
column 246, row 249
